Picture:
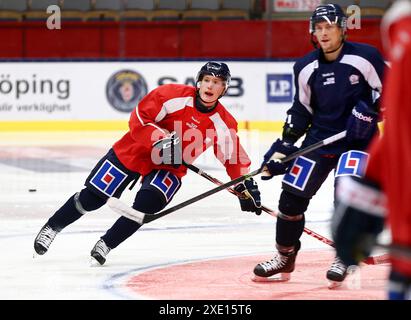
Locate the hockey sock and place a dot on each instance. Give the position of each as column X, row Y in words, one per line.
column 120, row 231
column 291, row 219
column 147, row 201
column 64, row 216
column 75, row 207
column 289, row 232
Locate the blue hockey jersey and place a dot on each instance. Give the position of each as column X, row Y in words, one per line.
column 326, row 92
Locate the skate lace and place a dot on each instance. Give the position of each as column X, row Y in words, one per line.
column 46, row 236
column 338, row 266
column 102, row 248
column 277, row 262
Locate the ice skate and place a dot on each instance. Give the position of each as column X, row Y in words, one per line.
column 99, row 253
column 279, row 268
column 336, row 274
column 44, row 238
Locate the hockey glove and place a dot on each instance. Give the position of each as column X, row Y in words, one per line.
column 250, row 199
column 358, row 218
column 272, row 165
column 361, row 126
column 170, row 150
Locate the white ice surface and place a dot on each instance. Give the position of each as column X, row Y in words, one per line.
column 212, row 227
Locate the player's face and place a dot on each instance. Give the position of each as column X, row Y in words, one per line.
column 210, row 89
column 329, row 36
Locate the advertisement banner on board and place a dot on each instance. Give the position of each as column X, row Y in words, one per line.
column 38, row 91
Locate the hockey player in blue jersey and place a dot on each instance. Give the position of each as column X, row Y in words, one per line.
column 337, row 88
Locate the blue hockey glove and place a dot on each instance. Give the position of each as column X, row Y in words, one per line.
column 170, row 150
column 361, row 126
column 272, row 165
column 358, row 218
column 250, row 199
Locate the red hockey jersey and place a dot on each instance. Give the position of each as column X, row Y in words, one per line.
column 171, row 108
column 390, row 156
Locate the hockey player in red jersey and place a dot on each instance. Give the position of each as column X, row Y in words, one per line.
column 383, row 195
column 172, row 124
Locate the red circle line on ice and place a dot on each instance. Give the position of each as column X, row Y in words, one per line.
column 231, row 278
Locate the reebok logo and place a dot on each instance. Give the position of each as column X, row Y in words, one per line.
column 360, row 116
column 191, row 125
column 195, row 120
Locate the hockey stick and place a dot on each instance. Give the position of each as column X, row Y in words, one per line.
column 118, row 206
column 370, row 260
column 265, row 209
column 315, row 146
column 396, row 250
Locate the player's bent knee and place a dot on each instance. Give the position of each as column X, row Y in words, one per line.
column 149, row 201
column 287, row 217
column 87, row 200
column 292, row 205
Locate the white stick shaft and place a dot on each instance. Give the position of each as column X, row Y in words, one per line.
column 121, row 208
column 335, row 137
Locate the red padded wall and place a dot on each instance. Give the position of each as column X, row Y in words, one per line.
column 177, row 40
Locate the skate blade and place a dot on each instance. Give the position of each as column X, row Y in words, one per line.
column 36, row 255
column 281, row 277
column 94, row 263
column 334, row 284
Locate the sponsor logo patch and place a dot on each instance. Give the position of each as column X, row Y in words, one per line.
column 108, row 178
column 299, row 173
column 166, row 182
column 352, row 163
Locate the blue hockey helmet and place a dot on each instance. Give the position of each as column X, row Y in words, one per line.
column 215, row 69
column 331, row 13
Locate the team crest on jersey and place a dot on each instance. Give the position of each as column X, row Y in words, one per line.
column 352, row 163
column 299, row 173
column 108, row 178
column 354, row 79
column 125, row 89
column 166, row 182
